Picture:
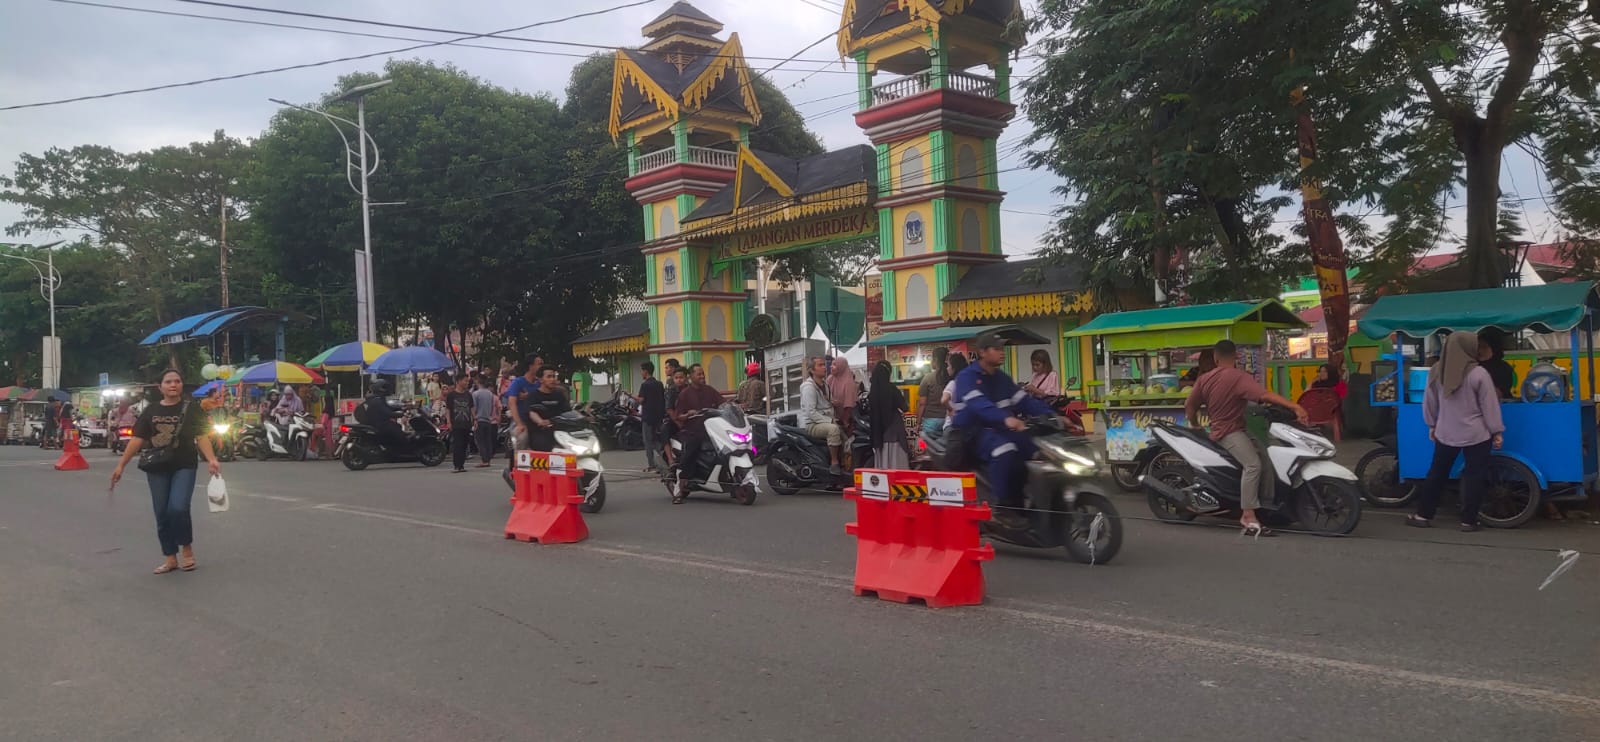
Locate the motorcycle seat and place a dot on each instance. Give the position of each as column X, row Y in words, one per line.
column 1203, row 438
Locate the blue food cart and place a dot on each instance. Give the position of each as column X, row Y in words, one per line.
column 1549, row 451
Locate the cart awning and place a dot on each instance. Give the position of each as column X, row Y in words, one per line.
column 1011, row 333
column 1269, row 313
column 1553, row 307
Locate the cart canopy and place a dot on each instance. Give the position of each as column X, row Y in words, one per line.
column 1553, row 307
column 1245, row 322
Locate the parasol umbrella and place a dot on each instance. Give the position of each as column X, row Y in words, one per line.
column 348, row 357
column 410, row 359
column 208, row 388
column 45, row 395
column 277, row 372
column 13, row 392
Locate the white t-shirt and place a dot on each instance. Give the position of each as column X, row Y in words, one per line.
column 949, row 392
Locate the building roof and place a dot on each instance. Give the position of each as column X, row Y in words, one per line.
column 632, row 324
column 684, row 12
column 1018, row 277
column 802, row 177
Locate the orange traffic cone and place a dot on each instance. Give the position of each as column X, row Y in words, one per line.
column 71, row 459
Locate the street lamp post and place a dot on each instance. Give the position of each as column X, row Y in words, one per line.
column 49, row 281
column 367, row 323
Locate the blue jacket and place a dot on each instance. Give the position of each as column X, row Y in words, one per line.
column 985, row 400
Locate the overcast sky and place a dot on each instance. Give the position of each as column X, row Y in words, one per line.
column 52, row 50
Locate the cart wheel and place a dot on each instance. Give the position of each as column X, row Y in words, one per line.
column 1379, row 474
column 1512, row 495
column 1126, row 476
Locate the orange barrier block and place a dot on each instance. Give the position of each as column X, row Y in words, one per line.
column 71, row 458
column 544, row 507
column 917, row 536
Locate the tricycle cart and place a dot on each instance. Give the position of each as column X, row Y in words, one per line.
column 1141, row 352
column 1548, row 454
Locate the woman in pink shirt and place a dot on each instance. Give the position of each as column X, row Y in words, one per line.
column 1462, row 410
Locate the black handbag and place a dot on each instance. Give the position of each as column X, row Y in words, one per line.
column 160, row 459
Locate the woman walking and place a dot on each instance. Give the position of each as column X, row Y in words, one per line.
column 930, row 406
column 885, row 410
column 1462, row 411
column 165, row 439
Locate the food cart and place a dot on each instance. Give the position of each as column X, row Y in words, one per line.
column 1141, row 353
column 1548, row 451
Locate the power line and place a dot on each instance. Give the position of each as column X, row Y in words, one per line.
column 322, row 63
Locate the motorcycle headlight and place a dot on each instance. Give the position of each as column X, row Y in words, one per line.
column 1078, row 465
column 579, row 446
column 738, row 437
column 221, row 428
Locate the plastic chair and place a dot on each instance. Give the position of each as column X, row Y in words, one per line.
column 1324, row 407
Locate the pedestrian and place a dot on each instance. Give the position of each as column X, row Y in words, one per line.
column 52, row 422
column 485, row 413
column 842, row 393
column 652, row 411
column 1492, row 357
column 752, row 394
column 886, row 408
column 1044, row 383
column 930, row 406
column 1462, row 411
column 516, row 396
column 165, row 439
column 947, row 397
column 458, row 410
column 434, row 392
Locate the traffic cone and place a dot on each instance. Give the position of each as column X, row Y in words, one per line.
column 71, row 458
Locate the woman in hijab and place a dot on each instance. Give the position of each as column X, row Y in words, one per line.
column 1463, row 416
column 1328, row 378
column 1493, row 359
column 289, row 405
column 885, row 408
column 842, row 392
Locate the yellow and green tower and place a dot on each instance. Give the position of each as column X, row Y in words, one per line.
column 684, row 103
column 934, row 95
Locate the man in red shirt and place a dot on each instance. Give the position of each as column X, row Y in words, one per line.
column 1225, row 391
column 697, row 396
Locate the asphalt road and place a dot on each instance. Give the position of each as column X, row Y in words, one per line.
column 385, row 605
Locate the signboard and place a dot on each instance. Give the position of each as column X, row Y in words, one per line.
column 105, row 379
column 874, row 316
column 785, row 237
column 1127, row 431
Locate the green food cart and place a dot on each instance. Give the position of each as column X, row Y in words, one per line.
column 1142, row 351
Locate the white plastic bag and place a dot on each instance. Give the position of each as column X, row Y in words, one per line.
column 217, row 495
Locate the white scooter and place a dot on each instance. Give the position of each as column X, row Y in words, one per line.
column 1192, row 475
column 292, row 440
column 724, row 465
column 575, row 435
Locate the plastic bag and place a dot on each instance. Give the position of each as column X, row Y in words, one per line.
column 217, row 495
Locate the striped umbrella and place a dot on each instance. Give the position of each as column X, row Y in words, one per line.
column 276, row 372
column 13, row 392
column 348, row 357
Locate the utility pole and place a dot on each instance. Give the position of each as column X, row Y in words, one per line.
column 222, row 211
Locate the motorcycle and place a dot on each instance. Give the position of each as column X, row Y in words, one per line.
column 796, row 461
column 268, row 438
column 1191, row 475
column 724, row 465
column 1063, row 500
column 359, row 446
column 618, row 423
column 119, row 437
column 223, row 437
column 575, row 434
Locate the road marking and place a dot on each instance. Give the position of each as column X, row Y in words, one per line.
column 1278, row 658
column 274, row 498
column 28, row 463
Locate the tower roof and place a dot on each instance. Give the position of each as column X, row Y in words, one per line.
column 683, row 17
column 866, row 19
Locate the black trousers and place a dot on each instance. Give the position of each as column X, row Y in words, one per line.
column 692, row 443
column 485, row 433
column 458, row 445
column 1474, row 478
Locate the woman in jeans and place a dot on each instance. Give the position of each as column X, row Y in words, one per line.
column 929, row 405
column 171, row 429
column 1462, row 411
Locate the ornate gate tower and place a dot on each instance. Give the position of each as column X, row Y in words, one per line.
column 934, row 127
column 684, row 103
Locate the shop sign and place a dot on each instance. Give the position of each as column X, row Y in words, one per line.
column 1128, row 431
column 785, row 237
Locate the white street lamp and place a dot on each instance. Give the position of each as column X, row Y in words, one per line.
column 367, row 324
column 49, row 281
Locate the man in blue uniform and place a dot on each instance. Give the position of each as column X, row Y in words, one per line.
column 989, row 406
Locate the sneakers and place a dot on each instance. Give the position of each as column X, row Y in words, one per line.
column 680, row 491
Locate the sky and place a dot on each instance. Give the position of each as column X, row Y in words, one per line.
column 51, row 50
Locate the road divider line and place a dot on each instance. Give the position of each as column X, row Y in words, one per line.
column 1497, row 690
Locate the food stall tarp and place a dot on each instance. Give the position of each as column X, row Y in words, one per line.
column 1553, row 307
column 1182, row 322
column 1011, row 333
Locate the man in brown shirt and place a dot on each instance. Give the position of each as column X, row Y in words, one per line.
column 1224, row 392
column 693, row 398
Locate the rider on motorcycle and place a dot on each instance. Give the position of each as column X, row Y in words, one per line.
column 692, row 426
column 381, row 415
column 987, row 402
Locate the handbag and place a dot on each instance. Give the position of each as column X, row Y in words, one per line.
column 160, row 459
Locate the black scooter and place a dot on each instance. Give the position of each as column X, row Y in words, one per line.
column 1066, row 506
column 360, row 446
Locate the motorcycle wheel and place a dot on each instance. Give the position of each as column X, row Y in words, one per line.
column 1379, row 474
column 225, row 453
column 1512, row 497
column 298, row 449
column 781, row 483
column 1328, row 506
column 745, row 494
column 1107, row 541
column 1126, row 476
column 1169, row 469
column 432, row 455
column 248, row 449
column 594, row 502
column 632, row 440
column 264, row 452
column 354, row 458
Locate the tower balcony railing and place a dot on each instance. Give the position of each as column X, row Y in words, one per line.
column 704, row 156
column 921, row 82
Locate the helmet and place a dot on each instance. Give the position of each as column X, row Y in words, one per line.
column 752, row 368
column 382, row 387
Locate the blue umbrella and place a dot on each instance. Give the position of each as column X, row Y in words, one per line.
column 413, row 359
column 208, row 388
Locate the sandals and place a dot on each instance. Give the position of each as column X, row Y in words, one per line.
column 1417, row 521
column 165, row 568
column 1256, row 530
column 186, row 565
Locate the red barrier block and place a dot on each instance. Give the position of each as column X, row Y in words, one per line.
column 917, row 537
column 544, row 507
column 71, row 458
